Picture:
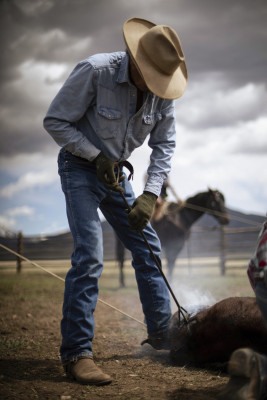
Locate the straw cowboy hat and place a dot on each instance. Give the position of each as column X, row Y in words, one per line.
column 157, row 53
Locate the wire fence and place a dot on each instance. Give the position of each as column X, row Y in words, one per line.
column 225, row 244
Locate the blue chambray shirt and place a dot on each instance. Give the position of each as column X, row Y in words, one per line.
column 95, row 111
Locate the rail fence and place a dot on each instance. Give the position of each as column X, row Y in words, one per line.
column 229, row 245
column 233, row 247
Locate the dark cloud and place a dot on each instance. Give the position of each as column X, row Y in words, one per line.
column 216, row 35
column 228, row 38
column 25, row 141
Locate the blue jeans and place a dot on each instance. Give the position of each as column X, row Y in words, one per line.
column 84, row 195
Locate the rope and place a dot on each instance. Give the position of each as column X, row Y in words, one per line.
column 182, row 203
column 209, row 211
column 63, row 280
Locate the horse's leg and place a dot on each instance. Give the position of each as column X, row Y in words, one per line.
column 171, row 258
column 172, row 251
column 120, row 256
column 122, row 283
column 170, row 267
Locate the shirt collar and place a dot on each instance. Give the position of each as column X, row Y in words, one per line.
column 123, row 75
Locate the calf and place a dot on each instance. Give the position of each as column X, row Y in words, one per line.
column 215, row 332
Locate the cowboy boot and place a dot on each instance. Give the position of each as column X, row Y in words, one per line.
column 85, row 371
column 160, row 341
column 248, row 376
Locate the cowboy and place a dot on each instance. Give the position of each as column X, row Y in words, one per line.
column 158, row 208
column 107, row 107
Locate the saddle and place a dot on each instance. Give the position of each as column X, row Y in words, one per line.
column 170, row 211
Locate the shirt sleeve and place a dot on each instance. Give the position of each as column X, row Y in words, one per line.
column 68, row 107
column 162, row 142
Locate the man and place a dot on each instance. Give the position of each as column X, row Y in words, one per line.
column 247, row 368
column 158, row 208
column 107, row 107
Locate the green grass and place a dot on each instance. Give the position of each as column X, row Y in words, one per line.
column 204, row 275
column 201, row 280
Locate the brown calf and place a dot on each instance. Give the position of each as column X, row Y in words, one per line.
column 215, row 332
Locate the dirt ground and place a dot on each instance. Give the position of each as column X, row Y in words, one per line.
column 30, row 313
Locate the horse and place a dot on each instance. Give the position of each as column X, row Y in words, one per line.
column 173, row 225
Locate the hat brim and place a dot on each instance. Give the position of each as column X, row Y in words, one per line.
column 162, row 85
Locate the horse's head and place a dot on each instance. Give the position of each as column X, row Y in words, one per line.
column 216, row 202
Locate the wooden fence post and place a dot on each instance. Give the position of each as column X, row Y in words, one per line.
column 223, row 249
column 19, row 250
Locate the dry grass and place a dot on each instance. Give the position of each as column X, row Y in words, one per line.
column 30, row 313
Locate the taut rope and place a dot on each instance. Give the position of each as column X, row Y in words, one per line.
column 63, row 280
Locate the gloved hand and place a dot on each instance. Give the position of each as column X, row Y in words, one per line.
column 106, row 174
column 141, row 211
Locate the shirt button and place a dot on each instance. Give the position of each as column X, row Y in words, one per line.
column 147, row 119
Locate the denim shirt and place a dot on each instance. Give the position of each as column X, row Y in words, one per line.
column 95, row 111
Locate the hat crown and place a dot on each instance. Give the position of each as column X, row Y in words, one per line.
column 162, row 45
column 157, row 53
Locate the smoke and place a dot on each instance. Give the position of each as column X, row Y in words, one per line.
column 191, row 298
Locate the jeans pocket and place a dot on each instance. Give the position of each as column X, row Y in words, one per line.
column 61, row 161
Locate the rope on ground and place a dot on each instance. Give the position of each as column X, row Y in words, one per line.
column 63, row 280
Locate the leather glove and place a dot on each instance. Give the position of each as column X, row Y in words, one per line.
column 141, row 211
column 106, row 173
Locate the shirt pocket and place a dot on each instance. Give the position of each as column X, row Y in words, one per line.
column 109, row 122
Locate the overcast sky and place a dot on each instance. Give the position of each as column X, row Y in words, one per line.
column 221, row 119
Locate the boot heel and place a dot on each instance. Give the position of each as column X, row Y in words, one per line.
column 242, row 363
